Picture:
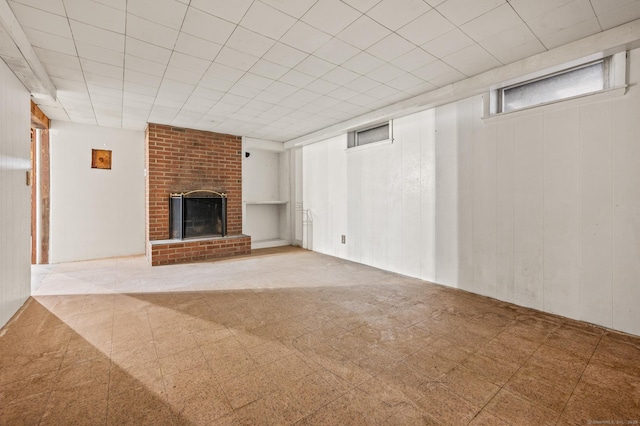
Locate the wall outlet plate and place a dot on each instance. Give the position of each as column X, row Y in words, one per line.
column 343, row 239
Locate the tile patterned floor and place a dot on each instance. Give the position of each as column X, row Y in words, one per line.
column 294, row 337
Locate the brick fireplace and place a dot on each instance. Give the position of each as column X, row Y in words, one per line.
column 182, row 160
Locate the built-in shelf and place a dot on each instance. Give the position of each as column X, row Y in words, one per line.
column 267, row 202
column 265, row 187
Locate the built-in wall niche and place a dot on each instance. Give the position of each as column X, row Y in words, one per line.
column 265, row 182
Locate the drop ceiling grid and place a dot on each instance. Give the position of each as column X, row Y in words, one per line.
column 278, row 69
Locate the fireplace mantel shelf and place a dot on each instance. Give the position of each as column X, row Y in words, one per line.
column 266, row 202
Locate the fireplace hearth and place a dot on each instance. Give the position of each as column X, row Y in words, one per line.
column 197, row 214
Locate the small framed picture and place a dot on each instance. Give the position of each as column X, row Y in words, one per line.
column 100, row 159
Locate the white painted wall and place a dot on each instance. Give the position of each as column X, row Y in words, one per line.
column 96, row 213
column 540, row 208
column 15, row 195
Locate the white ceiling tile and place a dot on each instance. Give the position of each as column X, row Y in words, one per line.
column 268, row 69
column 164, row 12
column 569, row 34
column 213, row 83
column 182, row 75
column 140, row 89
column 244, row 91
column 363, row 33
column 40, row 20
column 97, row 36
column 330, row 16
column 174, row 86
column 362, row 5
column 295, row 8
column 363, row 63
column 561, row 18
column 144, row 65
column 623, row 14
column 104, row 91
column 234, row 100
column 604, row 6
column 314, row 66
column 461, row 11
column 231, row 11
column 50, row 57
column 336, row 51
column 249, row 42
column 394, row 14
column 304, row 37
column 296, row 78
column 285, row 55
column 98, row 54
column 138, row 77
column 208, row 27
column 53, row 6
column 491, row 23
column 363, row 100
column 305, row 95
column 50, row 41
column 321, row 86
column 197, row 47
column 421, row 88
column 343, row 93
column 404, row 82
column 147, row 51
column 55, row 113
column 66, row 73
column 267, row 21
column 447, row 43
column 271, row 98
column 99, row 68
column 515, row 43
column 96, row 14
column 434, row 70
column 235, row 59
column 413, row 59
column 434, row 3
column 382, row 92
column 255, row 81
column 528, row 9
column 472, row 60
column 151, row 32
column 385, row 73
column 363, row 84
column 391, row 47
column 101, row 80
column 340, row 76
column 208, row 94
column 425, row 28
column 118, row 4
column 224, row 72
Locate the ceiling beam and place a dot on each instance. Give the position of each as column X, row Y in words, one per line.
column 21, row 58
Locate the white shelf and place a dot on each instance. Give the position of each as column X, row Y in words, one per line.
column 276, row 242
column 266, row 202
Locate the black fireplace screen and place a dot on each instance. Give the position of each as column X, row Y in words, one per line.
column 198, row 214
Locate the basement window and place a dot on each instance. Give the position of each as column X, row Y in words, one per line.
column 604, row 77
column 577, row 81
column 370, row 135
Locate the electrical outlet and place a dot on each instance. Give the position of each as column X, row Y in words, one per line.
column 344, row 239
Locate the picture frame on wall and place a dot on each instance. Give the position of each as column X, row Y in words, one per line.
column 101, row 159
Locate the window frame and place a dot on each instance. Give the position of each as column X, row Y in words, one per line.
column 352, row 136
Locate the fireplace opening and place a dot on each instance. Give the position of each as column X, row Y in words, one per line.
column 195, row 214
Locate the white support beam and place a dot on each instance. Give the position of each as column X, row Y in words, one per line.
column 618, row 39
column 17, row 52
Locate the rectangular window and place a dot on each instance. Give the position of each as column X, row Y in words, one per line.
column 582, row 80
column 379, row 133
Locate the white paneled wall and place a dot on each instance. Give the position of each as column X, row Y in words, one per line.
column 96, row 213
column 540, row 208
column 15, row 201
